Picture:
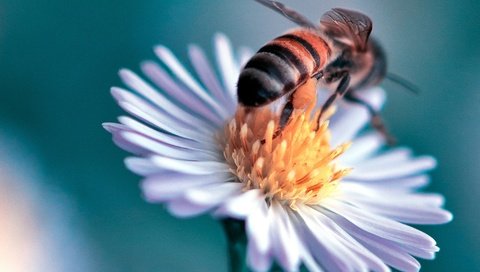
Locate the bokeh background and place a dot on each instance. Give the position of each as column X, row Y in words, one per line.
column 59, row 58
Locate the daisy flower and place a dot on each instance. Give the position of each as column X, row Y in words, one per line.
column 330, row 198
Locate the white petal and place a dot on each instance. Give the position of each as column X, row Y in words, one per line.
column 174, row 65
column 240, row 206
column 148, row 115
column 113, row 127
column 181, row 207
column 207, row 75
column 309, row 262
column 127, row 146
column 344, row 126
column 142, row 166
column 372, row 262
column 353, row 190
column 406, row 208
column 257, row 260
column 215, row 193
column 403, row 169
column 257, row 229
column 157, row 117
column 390, row 252
column 167, row 185
column 380, row 195
column 424, row 253
column 136, row 83
column 373, row 96
column 139, row 139
column 411, row 214
column 284, row 245
column 229, row 69
column 136, row 126
column 361, row 148
column 165, row 150
column 331, row 254
column 389, row 158
column 116, row 129
column 397, row 184
column 351, row 118
column 179, row 93
column 297, row 226
column 244, row 55
column 378, row 225
column 201, row 199
column 190, row 167
column 396, row 249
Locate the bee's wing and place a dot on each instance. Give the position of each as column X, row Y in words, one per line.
column 353, row 24
column 290, row 14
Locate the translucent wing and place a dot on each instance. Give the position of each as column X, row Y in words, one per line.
column 291, row 14
column 352, row 24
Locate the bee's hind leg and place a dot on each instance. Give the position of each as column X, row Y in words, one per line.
column 286, row 113
column 303, row 98
column 377, row 122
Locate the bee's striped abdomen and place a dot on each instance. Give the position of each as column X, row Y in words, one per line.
column 281, row 66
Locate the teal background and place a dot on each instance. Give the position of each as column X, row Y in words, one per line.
column 59, row 58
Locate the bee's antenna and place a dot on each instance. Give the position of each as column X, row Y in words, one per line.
column 403, row 82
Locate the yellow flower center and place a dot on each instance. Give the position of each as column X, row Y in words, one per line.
column 296, row 165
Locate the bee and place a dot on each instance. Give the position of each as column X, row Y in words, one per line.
column 338, row 52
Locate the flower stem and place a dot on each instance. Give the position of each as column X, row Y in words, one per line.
column 236, row 238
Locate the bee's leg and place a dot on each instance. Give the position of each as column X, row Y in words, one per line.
column 319, row 75
column 339, row 92
column 377, row 122
column 286, row 113
column 302, row 98
column 284, row 117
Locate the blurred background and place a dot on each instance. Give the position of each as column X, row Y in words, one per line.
column 65, row 191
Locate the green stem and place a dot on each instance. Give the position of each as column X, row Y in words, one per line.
column 236, row 238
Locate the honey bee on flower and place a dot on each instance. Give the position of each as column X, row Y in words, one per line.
column 324, row 193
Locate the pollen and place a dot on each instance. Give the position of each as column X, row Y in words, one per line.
column 294, row 165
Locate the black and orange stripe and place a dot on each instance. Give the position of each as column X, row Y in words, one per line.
column 281, row 66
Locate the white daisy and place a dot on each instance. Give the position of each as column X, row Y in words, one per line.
column 329, row 199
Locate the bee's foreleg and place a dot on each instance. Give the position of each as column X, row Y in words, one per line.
column 339, row 92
